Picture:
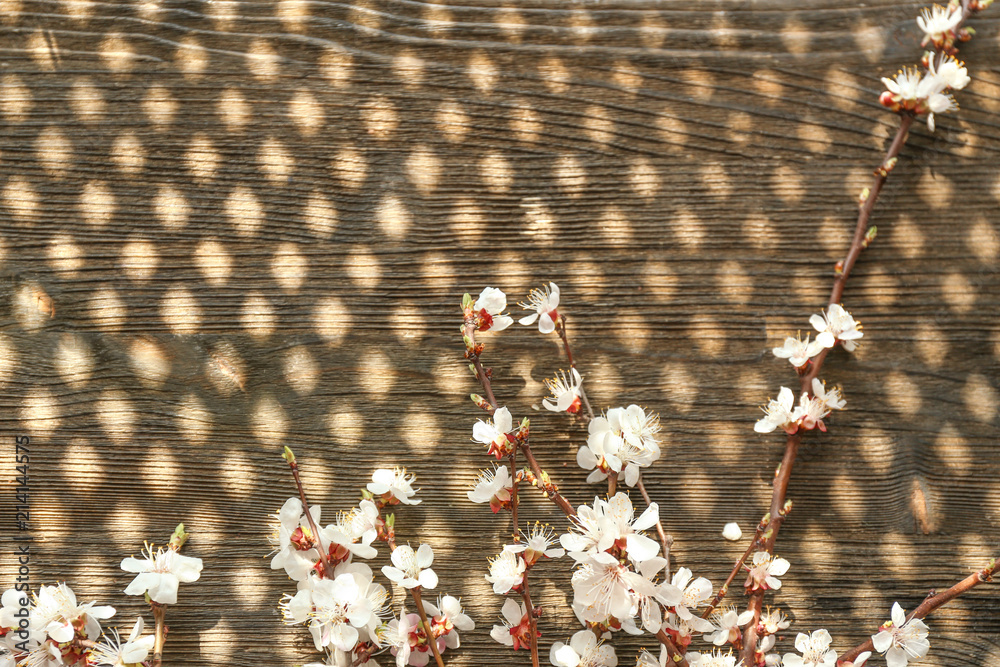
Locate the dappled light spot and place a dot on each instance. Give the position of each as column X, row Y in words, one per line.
column 422, row 433
column 644, row 179
column 257, row 316
column 632, row 330
column 226, row 369
column 117, row 54
column 306, row 112
column 958, row 292
column 869, row 39
column 393, row 217
column 982, row 240
column 44, row 52
column 708, row 336
column 377, row 374
column 741, row 126
column 336, row 67
column 716, row 179
column 79, row 10
column 700, row 83
column 766, row 85
column 588, row 277
column 935, row 189
column 191, row 57
column 73, row 360
column 980, row 398
column 759, row 229
column 659, row 281
column 139, row 259
column 32, row 306
column 851, row 503
column 39, row 412
column 213, row 261
column 688, row 228
column 539, row 221
column 171, row 207
column 160, row 476
column 605, row 379
column 901, row 393
column 350, row 167
column 302, row 373
column 524, row 122
column 673, row 131
column 424, row 168
column 263, row 61
column 87, row 100
column 437, row 273
column 555, row 74
column 289, row 267
column 733, row 282
column 497, row 172
column 10, row 11
column 835, row 235
column 320, row 216
column 626, row 76
column 346, row 428
column 614, row 226
column 245, row 212
column 482, row 72
column 437, row 19
column 407, row 322
column 516, row 271
column 239, row 479
column 107, row 310
column 599, row 126
column 408, row 68
column 149, row 361
column 54, row 151
column 451, row 376
column 571, row 175
column 194, row 421
column 795, row 36
column 884, row 288
column 64, row 254
column 842, row 88
column 8, row 359
column 223, row 13
column 180, row 311
column 362, row 13
column 952, row 448
column 380, row 116
column 294, row 14
column 234, row 109
column 363, row 267
column 931, row 343
column 128, row 153
column 452, row 121
column 201, row 157
column 813, row 136
column 15, row 99
column 116, row 416
column 276, row 161
column 81, row 467
column 332, row 319
column 159, row 106
column 906, row 235
column 20, row 198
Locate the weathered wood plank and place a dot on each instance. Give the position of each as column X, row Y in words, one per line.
column 226, row 226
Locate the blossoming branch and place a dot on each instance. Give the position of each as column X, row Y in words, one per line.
column 50, row 628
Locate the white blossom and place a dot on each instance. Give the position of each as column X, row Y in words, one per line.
column 113, row 653
column 609, row 521
column 585, row 649
column 516, row 629
column 798, row 351
column 489, row 309
column 506, row 571
column 493, row 487
column 412, row 568
column 398, row 637
column 832, row 397
column 714, row 659
column 394, row 484
column 494, row 434
column 779, row 413
column 334, row 608
column 159, row 574
column 901, row 640
column 836, row 324
column 936, row 22
column 606, row 588
column 765, row 570
column 773, row 620
column 449, row 611
column 565, row 391
column 815, row 650
column 950, row 73
column 727, row 623
column 691, row 595
column 537, row 544
column 545, row 303
column 296, row 545
column 647, row 659
column 732, row 532
column 624, row 440
column 55, row 613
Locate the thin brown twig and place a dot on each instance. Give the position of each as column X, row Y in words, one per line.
column 415, row 592
column 561, row 328
column 666, row 541
column 932, row 602
column 549, row 489
column 160, row 636
column 736, row 570
column 327, row 568
column 532, row 622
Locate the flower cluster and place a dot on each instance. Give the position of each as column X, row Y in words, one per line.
column 808, row 414
column 409, row 642
column 623, row 441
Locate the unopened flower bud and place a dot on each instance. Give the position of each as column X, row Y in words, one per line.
column 288, row 455
column 390, row 520
column 863, row 197
column 469, row 345
column 838, row 268
column 869, row 236
column 467, row 301
column 786, row 508
column 480, row 402
column 179, row 537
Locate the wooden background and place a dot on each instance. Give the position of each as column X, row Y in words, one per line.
column 229, row 226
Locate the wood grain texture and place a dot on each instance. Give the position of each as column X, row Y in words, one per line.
column 228, row 226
